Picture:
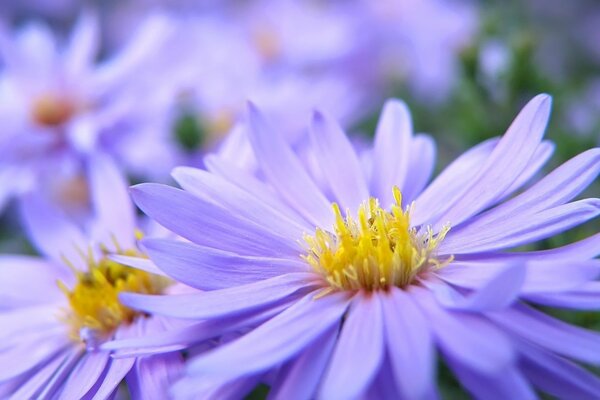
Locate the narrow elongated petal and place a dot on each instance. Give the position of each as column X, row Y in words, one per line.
column 505, row 164
column 409, row 344
column 422, row 164
column 221, row 303
column 208, row 224
column 238, row 201
column 584, row 297
column 550, row 333
column 284, row 171
column 208, row 269
column 391, row 154
column 84, row 43
column 338, row 162
column 87, row 372
column 517, row 231
column 359, row 351
column 275, row 341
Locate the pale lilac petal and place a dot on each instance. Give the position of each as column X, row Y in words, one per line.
column 137, row 262
column 300, row 379
column 550, row 333
column 422, row 164
column 384, row 386
column 558, row 376
column 285, row 172
column 450, row 183
column 213, row 188
column 578, row 251
column 221, row 303
column 504, row 165
column 84, row 45
column 338, row 162
column 53, row 387
column 34, row 384
column 391, row 151
column 28, row 320
column 254, row 187
column 500, row 291
column 512, row 232
column 114, row 212
column 584, row 297
column 16, row 272
column 208, row 269
column 87, row 372
column 51, row 231
column 409, row 344
column 190, row 388
column 558, row 187
column 359, row 351
column 208, row 224
column 506, row 384
column 275, row 341
column 467, row 338
column 542, row 154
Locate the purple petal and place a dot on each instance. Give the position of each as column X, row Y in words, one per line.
column 51, row 232
column 276, row 340
column 558, row 376
column 584, row 297
column 338, row 162
column 558, row 187
column 504, row 165
column 225, row 302
column 115, row 217
column 213, row 188
column 391, row 151
column 83, row 47
column 359, row 351
column 16, row 272
column 550, row 333
column 506, row 384
column 85, row 374
column 208, row 224
column 55, row 384
column 35, row 383
column 208, row 269
column 302, row 376
column 512, row 232
column 137, row 262
column 285, row 172
column 422, row 163
column 466, row 338
column 409, row 343
column 500, row 291
column 450, row 183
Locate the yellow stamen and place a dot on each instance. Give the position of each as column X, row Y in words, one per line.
column 377, row 250
column 94, row 300
column 52, row 110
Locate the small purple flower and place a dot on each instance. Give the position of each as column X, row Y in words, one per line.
column 58, row 105
column 356, row 297
column 56, row 311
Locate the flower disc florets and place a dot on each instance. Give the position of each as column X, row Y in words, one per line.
column 95, row 309
column 376, row 251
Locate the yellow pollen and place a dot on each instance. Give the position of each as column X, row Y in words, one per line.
column 377, row 250
column 94, row 300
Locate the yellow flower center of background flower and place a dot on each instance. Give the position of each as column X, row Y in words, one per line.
column 94, row 300
column 376, row 251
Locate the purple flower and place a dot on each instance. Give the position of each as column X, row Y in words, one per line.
column 359, row 296
column 56, row 311
column 58, row 105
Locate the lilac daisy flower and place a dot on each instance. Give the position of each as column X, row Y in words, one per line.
column 55, row 312
column 363, row 272
column 58, row 104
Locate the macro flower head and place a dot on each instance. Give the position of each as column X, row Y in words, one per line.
column 56, row 311
column 59, row 104
column 361, row 272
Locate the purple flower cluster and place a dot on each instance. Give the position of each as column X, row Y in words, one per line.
column 293, row 255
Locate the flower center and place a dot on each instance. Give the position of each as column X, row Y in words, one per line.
column 95, row 309
column 376, row 251
column 52, row 110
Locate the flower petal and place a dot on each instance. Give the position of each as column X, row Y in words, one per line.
column 338, row 162
column 85, row 374
column 222, row 303
column 359, row 351
column 422, row 164
column 276, row 340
